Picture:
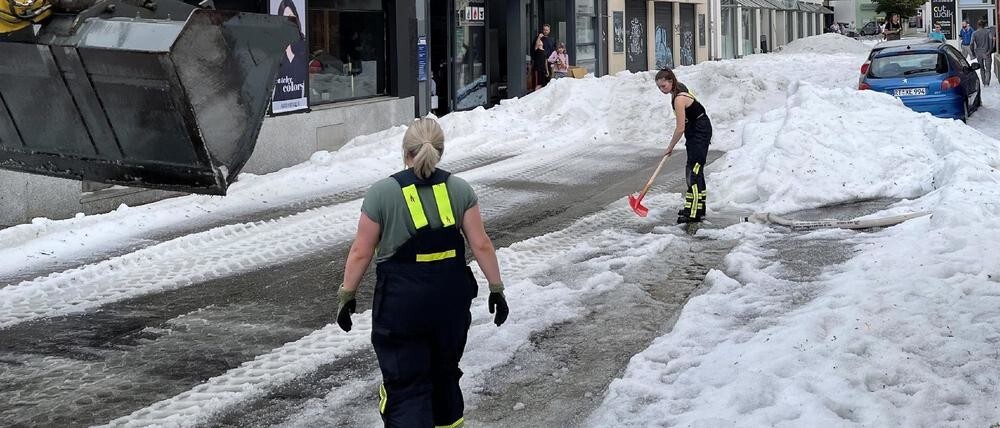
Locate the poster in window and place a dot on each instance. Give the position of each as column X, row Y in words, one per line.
column 290, row 84
column 663, row 17
column 619, row 32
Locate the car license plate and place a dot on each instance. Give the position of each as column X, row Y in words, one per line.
column 909, row 92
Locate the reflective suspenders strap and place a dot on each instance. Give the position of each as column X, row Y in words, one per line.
column 408, row 182
column 416, row 208
column 444, row 204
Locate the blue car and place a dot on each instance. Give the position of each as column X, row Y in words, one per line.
column 928, row 77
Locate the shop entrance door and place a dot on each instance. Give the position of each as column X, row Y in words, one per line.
column 635, row 36
column 440, row 48
column 469, row 77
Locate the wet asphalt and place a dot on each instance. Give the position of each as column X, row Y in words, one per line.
column 90, row 368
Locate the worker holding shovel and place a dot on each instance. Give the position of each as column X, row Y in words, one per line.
column 694, row 125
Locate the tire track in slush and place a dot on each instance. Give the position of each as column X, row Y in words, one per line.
column 530, row 259
column 100, row 374
column 547, row 166
column 243, row 405
column 188, row 260
column 481, row 157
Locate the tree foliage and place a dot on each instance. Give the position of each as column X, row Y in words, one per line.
column 905, row 8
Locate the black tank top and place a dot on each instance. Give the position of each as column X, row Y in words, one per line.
column 693, row 111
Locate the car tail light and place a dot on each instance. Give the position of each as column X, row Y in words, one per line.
column 864, row 86
column 864, row 67
column 950, row 83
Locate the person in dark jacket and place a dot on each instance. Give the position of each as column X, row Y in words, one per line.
column 539, row 65
column 696, row 128
column 416, row 224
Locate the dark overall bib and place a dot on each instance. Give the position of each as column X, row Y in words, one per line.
column 420, row 315
column 697, row 135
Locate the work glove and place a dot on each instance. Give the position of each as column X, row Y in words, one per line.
column 497, row 303
column 345, row 307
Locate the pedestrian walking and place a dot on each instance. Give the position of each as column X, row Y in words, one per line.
column 692, row 123
column 983, row 45
column 560, row 62
column 413, row 223
column 936, row 33
column 893, row 28
column 966, row 36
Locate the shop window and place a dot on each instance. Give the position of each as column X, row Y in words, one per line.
column 470, row 60
column 586, row 35
column 728, row 32
column 348, row 50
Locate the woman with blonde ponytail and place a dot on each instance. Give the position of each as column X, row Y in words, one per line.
column 423, row 145
column 415, row 224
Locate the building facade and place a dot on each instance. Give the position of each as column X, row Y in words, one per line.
column 746, row 27
column 643, row 35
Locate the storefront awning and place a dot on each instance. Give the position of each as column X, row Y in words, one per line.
column 813, row 7
column 783, row 4
column 795, row 5
column 755, row 4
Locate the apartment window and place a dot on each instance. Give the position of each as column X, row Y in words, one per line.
column 348, row 50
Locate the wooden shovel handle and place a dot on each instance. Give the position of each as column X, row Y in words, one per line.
column 655, row 173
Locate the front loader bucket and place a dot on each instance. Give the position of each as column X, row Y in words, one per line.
column 165, row 104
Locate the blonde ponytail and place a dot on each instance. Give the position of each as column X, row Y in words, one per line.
column 423, row 145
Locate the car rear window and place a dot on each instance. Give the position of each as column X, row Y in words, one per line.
column 909, row 64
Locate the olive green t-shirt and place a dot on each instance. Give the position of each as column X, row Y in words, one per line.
column 384, row 204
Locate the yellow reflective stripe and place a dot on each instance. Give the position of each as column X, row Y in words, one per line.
column 444, row 204
column 697, row 168
column 416, row 208
column 458, row 423
column 383, row 397
column 694, row 207
column 433, row 257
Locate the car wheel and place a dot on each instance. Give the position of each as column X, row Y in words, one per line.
column 965, row 112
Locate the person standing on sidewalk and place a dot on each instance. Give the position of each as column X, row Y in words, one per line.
column 893, row 28
column 412, row 223
column 936, row 33
column 983, row 44
column 694, row 125
column 966, row 36
column 560, row 62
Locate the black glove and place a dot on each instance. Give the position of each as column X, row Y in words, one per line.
column 345, row 307
column 497, row 303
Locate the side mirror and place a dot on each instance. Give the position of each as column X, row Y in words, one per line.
column 973, row 67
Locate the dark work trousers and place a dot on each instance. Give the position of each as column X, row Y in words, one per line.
column 697, row 135
column 420, row 321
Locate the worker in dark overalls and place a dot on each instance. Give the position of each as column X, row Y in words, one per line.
column 694, row 125
column 423, row 292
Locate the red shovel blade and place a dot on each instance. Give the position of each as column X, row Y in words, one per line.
column 636, row 204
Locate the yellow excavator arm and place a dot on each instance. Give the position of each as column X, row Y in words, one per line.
column 17, row 14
